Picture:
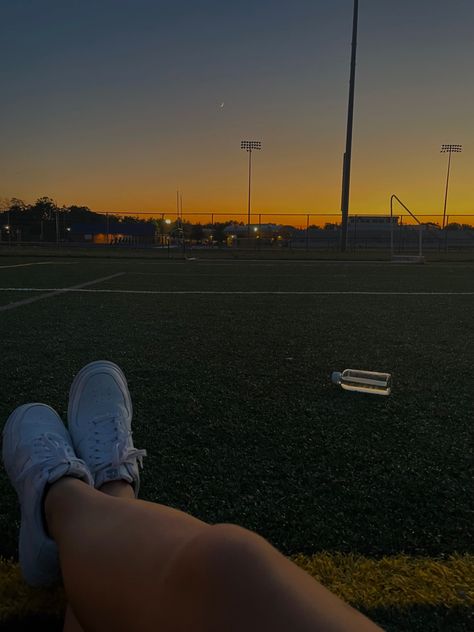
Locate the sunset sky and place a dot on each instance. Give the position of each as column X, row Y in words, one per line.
column 115, row 103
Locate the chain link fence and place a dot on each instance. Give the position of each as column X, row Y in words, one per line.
column 307, row 231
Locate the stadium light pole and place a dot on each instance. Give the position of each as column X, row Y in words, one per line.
column 346, row 167
column 249, row 146
column 448, row 149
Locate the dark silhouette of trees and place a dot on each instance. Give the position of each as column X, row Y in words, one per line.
column 457, row 226
column 45, row 220
column 17, row 206
column 43, row 209
column 82, row 214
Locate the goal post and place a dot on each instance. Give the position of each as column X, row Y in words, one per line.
column 405, row 258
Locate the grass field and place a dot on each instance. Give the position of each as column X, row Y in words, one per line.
column 228, row 363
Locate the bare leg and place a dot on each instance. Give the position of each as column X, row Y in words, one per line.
column 119, row 489
column 71, row 624
column 133, row 565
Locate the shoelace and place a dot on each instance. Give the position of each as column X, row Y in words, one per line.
column 50, row 452
column 110, row 430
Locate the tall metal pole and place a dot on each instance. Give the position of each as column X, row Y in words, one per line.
column 249, row 146
column 57, row 227
column 448, row 149
column 446, row 191
column 346, row 170
column 250, row 185
column 182, row 222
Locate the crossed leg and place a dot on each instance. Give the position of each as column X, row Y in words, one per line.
column 119, row 489
column 134, row 565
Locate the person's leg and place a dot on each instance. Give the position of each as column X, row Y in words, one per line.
column 119, row 489
column 134, row 565
column 71, row 624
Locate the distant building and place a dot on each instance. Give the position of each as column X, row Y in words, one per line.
column 372, row 222
column 116, row 233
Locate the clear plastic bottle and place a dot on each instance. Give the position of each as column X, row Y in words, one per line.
column 363, row 381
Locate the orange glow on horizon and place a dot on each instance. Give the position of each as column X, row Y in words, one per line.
column 297, row 220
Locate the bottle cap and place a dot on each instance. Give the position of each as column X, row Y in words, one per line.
column 336, row 377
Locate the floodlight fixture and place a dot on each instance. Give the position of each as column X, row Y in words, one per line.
column 249, row 146
column 448, row 149
column 451, row 149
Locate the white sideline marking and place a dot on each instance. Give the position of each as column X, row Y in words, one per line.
column 41, row 263
column 180, row 274
column 262, row 262
column 282, row 262
column 78, row 289
column 23, row 265
column 52, row 291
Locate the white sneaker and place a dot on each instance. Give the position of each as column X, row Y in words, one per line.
column 100, row 417
column 37, row 451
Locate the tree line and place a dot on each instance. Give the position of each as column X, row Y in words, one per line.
column 45, row 216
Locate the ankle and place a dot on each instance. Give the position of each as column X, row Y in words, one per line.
column 120, row 488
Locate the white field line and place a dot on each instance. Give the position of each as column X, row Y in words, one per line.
column 263, row 263
column 183, row 275
column 24, row 265
column 79, row 289
column 52, row 292
column 202, row 263
column 41, row 263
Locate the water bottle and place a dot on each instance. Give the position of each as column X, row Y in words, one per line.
column 363, row 381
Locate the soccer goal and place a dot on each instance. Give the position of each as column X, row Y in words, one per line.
column 406, row 257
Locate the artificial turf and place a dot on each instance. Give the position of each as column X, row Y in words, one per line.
column 233, row 399
column 390, row 590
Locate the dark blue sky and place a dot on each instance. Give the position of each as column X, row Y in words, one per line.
column 115, row 103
